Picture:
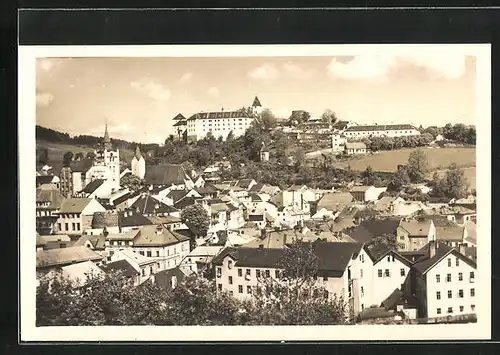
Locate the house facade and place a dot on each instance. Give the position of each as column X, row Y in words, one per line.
column 76, row 214
column 366, row 131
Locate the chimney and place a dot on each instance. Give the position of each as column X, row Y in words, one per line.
column 461, row 248
column 432, row 248
column 159, row 229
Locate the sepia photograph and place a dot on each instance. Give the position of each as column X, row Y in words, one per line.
column 305, row 191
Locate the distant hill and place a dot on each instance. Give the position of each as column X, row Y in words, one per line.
column 51, row 145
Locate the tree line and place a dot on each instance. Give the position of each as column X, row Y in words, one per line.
column 291, row 298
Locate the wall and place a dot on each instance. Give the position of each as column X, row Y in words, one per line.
column 442, row 269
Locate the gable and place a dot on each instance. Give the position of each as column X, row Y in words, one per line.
column 92, row 207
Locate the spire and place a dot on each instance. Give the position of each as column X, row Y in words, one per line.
column 256, row 102
column 106, row 141
column 137, row 153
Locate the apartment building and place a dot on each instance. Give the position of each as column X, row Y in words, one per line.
column 394, row 130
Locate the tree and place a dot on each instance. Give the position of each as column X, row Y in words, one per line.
column 299, row 157
column 433, row 130
column 387, row 240
column 196, row 218
column 453, row 185
column 399, row 180
column 67, row 158
column 266, row 120
column 42, row 155
column 78, row 156
column 329, row 116
column 417, row 167
column 132, row 182
column 368, row 176
column 230, row 136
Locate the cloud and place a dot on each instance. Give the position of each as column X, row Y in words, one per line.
column 266, row 71
column 297, row 72
column 120, row 128
column 151, row 88
column 213, row 91
column 186, row 78
column 380, row 66
column 44, row 99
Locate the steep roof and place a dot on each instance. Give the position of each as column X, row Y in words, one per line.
column 53, row 257
column 165, row 174
column 360, row 188
column 335, row 201
column 416, row 228
column 163, row 279
column 97, row 241
column 442, row 250
column 53, row 196
column 149, row 237
column 256, row 102
column 179, row 117
column 80, row 272
column 380, row 127
column 186, row 201
column 130, row 218
column 340, row 124
column 74, row 205
column 445, row 229
column 177, row 195
column 121, row 199
column 218, row 115
column 378, row 251
column 368, row 229
column 129, row 235
column 92, row 186
column 146, row 204
column 180, row 123
column 123, row 266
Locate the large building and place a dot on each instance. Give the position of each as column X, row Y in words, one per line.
column 395, row 130
column 219, row 123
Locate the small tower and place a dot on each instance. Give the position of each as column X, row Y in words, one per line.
column 138, row 164
column 256, row 106
column 264, row 153
column 107, row 141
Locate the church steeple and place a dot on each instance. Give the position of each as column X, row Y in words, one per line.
column 137, row 153
column 256, row 102
column 106, row 141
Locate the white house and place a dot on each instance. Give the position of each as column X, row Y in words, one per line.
column 445, row 282
column 366, row 193
column 338, row 143
column 396, row 130
column 76, row 214
column 138, row 164
column 352, row 148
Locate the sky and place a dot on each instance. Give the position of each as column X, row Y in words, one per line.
column 138, row 97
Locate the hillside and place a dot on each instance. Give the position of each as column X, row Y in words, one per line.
column 56, row 152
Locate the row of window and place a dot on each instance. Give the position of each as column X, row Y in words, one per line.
column 74, row 226
column 459, row 295
column 387, row 272
column 460, row 277
column 461, row 309
column 457, row 262
column 326, row 294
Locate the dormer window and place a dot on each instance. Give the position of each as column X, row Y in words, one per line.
column 230, row 264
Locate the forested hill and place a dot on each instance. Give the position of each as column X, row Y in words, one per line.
column 53, row 136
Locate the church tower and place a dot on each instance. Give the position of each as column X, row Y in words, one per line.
column 256, row 106
column 138, row 164
column 107, row 163
column 264, row 153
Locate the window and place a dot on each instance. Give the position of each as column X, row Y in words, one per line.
column 141, row 252
column 389, row 258
column 240, row 272
column 460, row 293
column 258, row 272
column 78, row 226
column 219, row 271
column 362, row 291
column 460, row 276
column 471, row 276
column 325, row 278
column 438, row 311
column 230, row 264
column 268, row 273
column 457, row 262
column 449, row 262
column 249, row 289
column 148, row 253
column 438, row 278
column 387, row 273
column 150, row 270
column 461, row 308
column 379, row 273
column 231, row 293
column 361, row 273
column 392, row 258
column 438, row 295
column 219, row 287
column 277, row 274
column 143, row 272
column 59, row 226
column 450, row 309
column 248, row 272
column 402, row 272
column 66, row 226
column 472, row 292
column 448, row 278
column 449, row 293
column 230, row 280
column 240, row 288
column 472, row 307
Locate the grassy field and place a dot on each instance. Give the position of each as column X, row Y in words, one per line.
column 438, row 158
column 56, row 152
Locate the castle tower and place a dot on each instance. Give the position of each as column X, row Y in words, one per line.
column 106, row 164
column 256, row 106
column 138, row 164
column 264, row 153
